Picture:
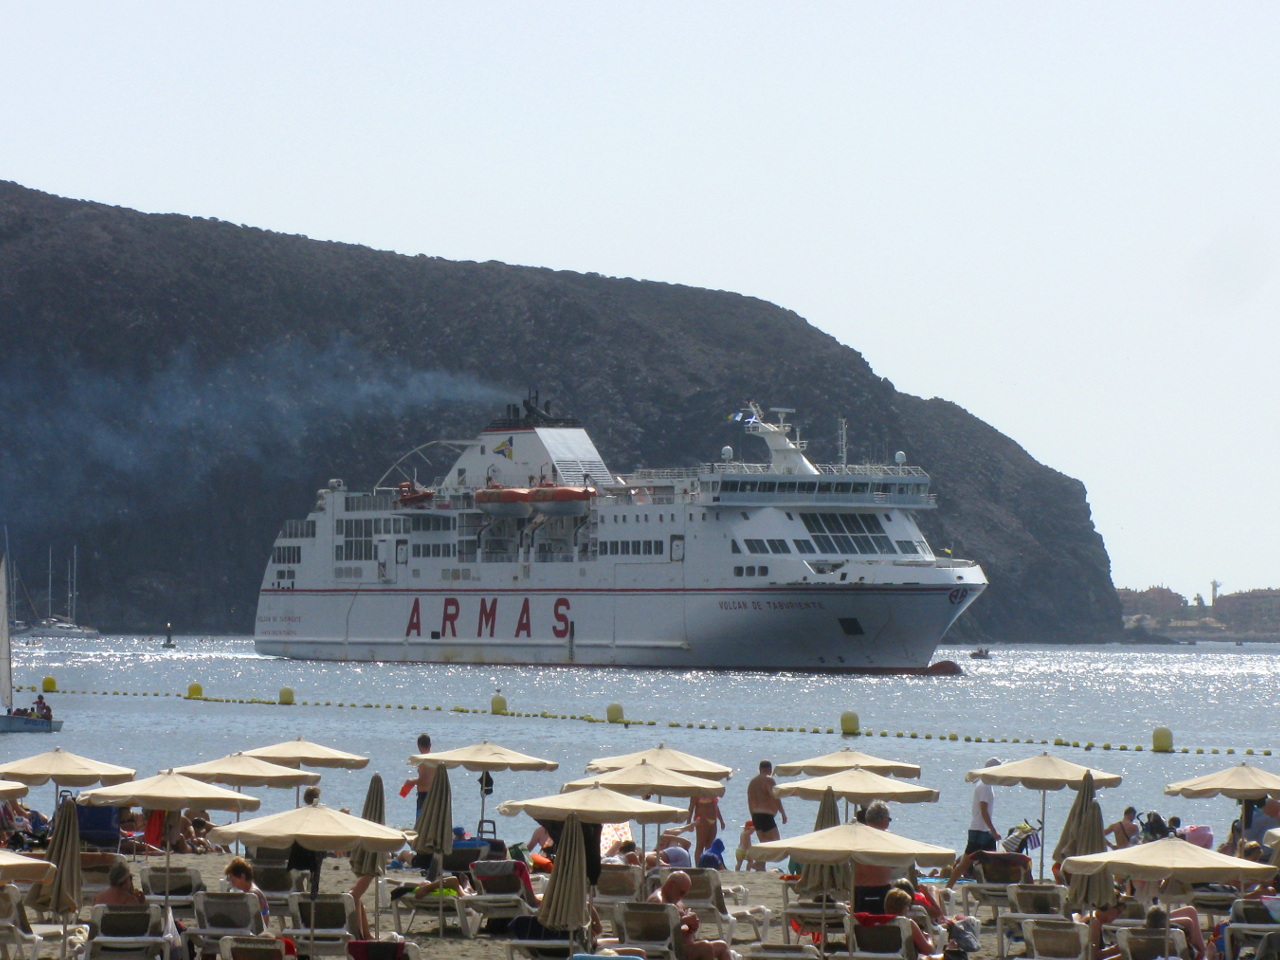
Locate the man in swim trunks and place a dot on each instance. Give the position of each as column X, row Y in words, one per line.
column 764, row 808
column 426, row 774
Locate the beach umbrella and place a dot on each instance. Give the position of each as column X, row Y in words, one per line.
column 1067, row 842
column 850, row 843
column 485, row 757
column 16, row 867
column 433, row 831
column 1042, row 772
column 65, row 769
column 844, row 759
column 367, row 864
column 564, row 905
column 1170, row 859
column 664, row 756
column 243, row 770
column 170, row 792
column 312, row 827
column 1082, row 834
column 59, row 894
column 12, row 789
column 1241, row 782
column 304, row 753
column 820, row 877
column 857, row 786
column 596, row 804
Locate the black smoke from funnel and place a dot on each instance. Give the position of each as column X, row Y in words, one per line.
column 79, row 446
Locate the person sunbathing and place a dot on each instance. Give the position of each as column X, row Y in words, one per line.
column 673, row 891
column 451, row 886
column 897, row 903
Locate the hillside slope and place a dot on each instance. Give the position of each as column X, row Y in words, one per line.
column 172, row 388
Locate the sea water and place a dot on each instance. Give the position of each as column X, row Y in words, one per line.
column 1214, row 697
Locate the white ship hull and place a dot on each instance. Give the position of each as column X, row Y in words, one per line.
column 731, row 565
column 763, row 629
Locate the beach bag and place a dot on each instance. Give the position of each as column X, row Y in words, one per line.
column 173, row 937
column 964, row 933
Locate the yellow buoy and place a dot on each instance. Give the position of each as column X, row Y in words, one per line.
column 849, row 725
column 1162, row 740
column 50, row 685
column 286, row 696
column 498, row 704
column 613, row 713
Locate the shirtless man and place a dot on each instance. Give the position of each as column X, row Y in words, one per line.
column 1124, row 830
column 673, row 891
column 426, row 774
column 764, row 808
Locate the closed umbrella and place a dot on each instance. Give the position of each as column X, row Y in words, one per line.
column 564, row 905
column 1092, row 889
column 1067, row 843
column 844, row 759
column 367, row 864
column 59, row 894
column 434, row 827
column 485, row 757
column 820, row 877
column 664, row 756
column 1042, row 772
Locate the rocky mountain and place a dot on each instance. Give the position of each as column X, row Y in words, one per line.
column 172, row 388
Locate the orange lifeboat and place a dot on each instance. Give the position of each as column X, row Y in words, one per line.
column 411, row 493
column 505, row 501
column 562, row 501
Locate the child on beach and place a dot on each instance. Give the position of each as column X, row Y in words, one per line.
column 744, row 841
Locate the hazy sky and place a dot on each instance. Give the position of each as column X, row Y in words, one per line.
column 1063, row 217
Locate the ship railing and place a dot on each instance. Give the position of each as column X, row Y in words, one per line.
column 828, row 499
column 953, row 563
column 736, row 467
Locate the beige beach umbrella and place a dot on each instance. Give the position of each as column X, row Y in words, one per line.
column 65, row 769
column 857, row 786
column 845, row 759
column 596, row 804
column 1241, row 782
column 564, row 905
column 313, row 827
column 664, row 756
column 12, row 789
column 820, row 877
column 1068, row 841
column 645, row 779
column 242, row 770
column 1170, row 859
column 1042, row 772
column 433, row 830
column 16, row 867
column 304, row 753
column 486, row 757
column 368, row 864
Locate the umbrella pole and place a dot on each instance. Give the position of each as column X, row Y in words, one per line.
column 1042, row 836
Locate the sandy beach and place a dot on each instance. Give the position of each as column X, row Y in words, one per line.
column 764, row 888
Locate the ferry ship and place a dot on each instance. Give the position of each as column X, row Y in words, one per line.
column 530, row 551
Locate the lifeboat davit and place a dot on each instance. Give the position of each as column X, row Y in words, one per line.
column 562, row 501
column 505, row 501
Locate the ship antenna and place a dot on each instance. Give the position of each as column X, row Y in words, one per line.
column 844, row 442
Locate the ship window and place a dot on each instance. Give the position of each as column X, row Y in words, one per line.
column 756, row 546
column 906, row 546
column 436, row 549
column 843, row 487
column 337, row 527
column 646, row 518
column 626, row 548
column 871, row 522
column 789, row 487
column 778, row 546
column 729, row 486
column 635, row 548
column 482, row 449
column 768, row 486
column 648, row 548
column 845, row 543
column 825, row 545
column 804, row 546
column 832, row 522
column 337, row 552
column 444, row 575
column 811, row 522
column 751, row 571
column 624, row 518
column 737, row 571
column 733, row 547
column 762, row 571
column 657, row 547
column 853, row 524
column 884, row 544
column 747, row 486
column 888, row 519
column 864, row 544
column 417, row 550
column 462, row 474
column 744, row 514
column 806, row 488
column 826, row 487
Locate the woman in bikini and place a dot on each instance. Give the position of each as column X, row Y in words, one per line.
column 704, row 814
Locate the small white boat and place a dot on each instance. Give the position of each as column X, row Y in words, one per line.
column 8, row 722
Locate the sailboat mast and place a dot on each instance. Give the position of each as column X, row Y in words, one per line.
column 6, row 658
